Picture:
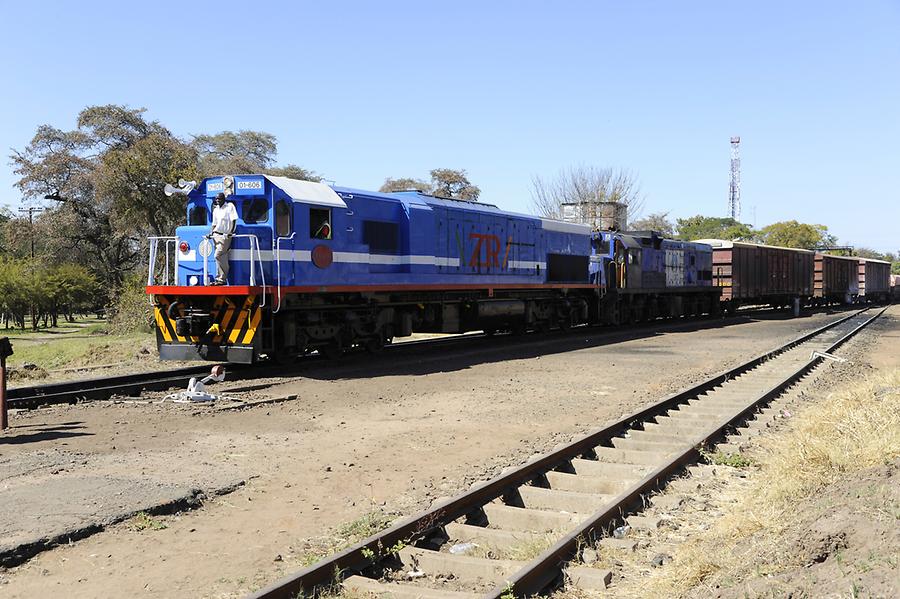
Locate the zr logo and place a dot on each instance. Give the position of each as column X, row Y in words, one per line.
column 491, row 244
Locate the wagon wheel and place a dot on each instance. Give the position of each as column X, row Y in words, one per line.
column 332, row 350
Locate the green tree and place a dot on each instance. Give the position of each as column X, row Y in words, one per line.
column 450, row 183
column 106, row 178
column 242, row 152
column 795, row 234
column 404, row 184
column 69, row 288
column 711, row 227
column 5, row 217
column 586, row 185
column 445, row 182
column 129, row 179
column 658, row 222
column 292, row 171
column 15, row 299
column 230, row 152
column 864, row 252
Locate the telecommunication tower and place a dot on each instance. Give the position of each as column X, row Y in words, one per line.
column 734, row 191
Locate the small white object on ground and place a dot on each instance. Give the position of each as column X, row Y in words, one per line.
column 196, row 390
column 462, row 548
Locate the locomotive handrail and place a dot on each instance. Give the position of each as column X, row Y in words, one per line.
column 254, row 244
column 278, row 267
column 154, row 250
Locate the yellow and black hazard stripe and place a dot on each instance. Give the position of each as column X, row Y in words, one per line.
column 235, row 321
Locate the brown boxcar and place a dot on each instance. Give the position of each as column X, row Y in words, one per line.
column 895, row 288
column 874, row 280
column 836, row 279
column 751, row 273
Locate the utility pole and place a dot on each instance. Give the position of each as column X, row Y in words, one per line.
column 31, row 210
column 734, row 190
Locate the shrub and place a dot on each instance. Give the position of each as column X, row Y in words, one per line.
column 130, row 311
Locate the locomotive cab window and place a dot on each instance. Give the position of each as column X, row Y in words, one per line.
column 255, row 211
column 319, row 223
column 198, row 216
column 282, row 219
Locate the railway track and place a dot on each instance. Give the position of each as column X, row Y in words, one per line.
column 102, row 388
column 565, row 499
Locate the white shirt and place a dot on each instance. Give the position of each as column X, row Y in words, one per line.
column 223, row 218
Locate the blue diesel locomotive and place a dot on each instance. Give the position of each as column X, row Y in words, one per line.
column 315, row 267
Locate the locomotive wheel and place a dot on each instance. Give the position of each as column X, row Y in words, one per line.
column 283, row 357
column 374, row 345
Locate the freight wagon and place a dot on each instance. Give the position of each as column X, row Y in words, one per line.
column 755, row 274
column 836, row 279
column 874, row 280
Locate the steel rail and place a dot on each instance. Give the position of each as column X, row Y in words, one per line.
column 100, row 388
column 357, row 558
column 547, row 567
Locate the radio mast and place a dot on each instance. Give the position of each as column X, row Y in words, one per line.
column 734, row 191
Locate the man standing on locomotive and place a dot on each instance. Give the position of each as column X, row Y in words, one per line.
column 224, row 223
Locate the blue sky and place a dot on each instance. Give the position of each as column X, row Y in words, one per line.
column 360, row 91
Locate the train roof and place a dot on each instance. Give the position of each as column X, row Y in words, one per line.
column 421, row 198
column 310, row 192
column 727, row 243
column 306, row 192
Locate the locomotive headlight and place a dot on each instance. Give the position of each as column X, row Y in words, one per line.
column 184, row 247
column 193, row 280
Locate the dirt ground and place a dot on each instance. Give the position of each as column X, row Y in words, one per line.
column 389, row 433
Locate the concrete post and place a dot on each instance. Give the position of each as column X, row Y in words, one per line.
column 796, row 307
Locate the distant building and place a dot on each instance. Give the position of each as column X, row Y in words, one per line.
column 602, row 216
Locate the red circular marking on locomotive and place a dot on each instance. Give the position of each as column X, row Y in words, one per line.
column 322, row 256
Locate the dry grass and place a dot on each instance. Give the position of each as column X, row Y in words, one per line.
column 853, row 428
